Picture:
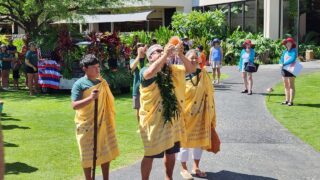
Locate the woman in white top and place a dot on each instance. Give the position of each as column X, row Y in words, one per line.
column 246, row 56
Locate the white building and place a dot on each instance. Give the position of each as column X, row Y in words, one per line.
column 271, row 17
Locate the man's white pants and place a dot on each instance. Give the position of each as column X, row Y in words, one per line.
column 183, row 155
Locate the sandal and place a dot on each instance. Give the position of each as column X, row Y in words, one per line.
column 244, row 91
column 186, row 175
column 250, row 93
column 199, row 173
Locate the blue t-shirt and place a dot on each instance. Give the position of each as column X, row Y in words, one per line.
column 32, row 57
column 145, row 83
column 81, row 85
column 136, row 76
column 5, row 65
column 216, row 54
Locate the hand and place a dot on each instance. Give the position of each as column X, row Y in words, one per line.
column 141, row 51
column 168, row 49
column 94, row 94
column 180, row 49
column 34, row 68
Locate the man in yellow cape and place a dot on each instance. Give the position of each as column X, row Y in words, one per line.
column 84, row 92
column 200, row 117
column 162, row 104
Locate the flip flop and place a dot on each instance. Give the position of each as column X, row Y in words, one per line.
column 199, row 173
column 186, row 175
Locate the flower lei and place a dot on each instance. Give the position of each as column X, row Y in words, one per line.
column 169, row 99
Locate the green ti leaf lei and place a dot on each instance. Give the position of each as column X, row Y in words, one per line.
column 169, row 99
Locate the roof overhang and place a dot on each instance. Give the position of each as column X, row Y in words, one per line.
column 107, row 18
column 215, row 2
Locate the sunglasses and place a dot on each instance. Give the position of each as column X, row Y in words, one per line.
column 158, row 51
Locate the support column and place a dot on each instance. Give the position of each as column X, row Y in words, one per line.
column 12, row 28
column 272, row 17
column 112, row 27
column 80, row 28
column 93, row 27
column 243, row 15
column 229, row 15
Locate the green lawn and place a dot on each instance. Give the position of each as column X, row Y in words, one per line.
column 39, row 135
column 222, row 77
column 302, row 119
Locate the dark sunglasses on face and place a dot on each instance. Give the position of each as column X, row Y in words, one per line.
column 158, row 51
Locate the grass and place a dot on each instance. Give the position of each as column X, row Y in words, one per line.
column 39, row 136
column 302, row 119
column 222, row 77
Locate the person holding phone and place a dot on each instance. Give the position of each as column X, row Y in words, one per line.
column 136, row 65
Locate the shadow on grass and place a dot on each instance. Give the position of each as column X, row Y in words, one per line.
column 7, row 144
column 309, row 105
column 3, row 118
column 228, row 175
column 18, row 168
column 24, row 95
column 10, row 127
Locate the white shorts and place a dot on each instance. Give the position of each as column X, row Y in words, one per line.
column 216, row 64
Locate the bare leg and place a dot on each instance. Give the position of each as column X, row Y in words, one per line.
column 219, row 74
column 286, row 88
column 35, row 82
column 30, row 83
column 184, row 166
column 138, row 117
column 105, row 170
column 146, row 166
column 214, row 74
column 5, row 78
column 169, row 161
column 291, row 88
column 250, row 81
column 26, row 82
column 244, row 77
column 87, row 173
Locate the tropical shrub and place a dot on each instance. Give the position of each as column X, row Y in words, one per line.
column 163, row 34
column 199, row 24
column 119, row 80
column 267, row 50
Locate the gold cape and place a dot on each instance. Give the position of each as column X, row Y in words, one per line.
column 200, row 112
column 107, row 147
column 157, row 136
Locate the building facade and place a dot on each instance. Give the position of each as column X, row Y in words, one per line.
column 273, row 18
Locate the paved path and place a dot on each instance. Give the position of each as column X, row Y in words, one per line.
column 254, row 145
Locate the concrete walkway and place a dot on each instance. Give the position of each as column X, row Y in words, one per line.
column 254, row 145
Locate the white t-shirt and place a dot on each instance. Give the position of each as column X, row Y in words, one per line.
column 245, row 57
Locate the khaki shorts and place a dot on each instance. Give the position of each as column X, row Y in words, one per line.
column 136, row 102
column 216, row 64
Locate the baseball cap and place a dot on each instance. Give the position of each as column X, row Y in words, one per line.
column 152, row 49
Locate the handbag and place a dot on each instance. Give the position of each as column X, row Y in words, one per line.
column 251, row 67
column 294, row 68
column 215, row 141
